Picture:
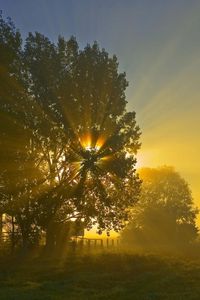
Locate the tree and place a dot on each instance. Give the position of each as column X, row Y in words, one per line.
column 165, row 214
column 78, row 138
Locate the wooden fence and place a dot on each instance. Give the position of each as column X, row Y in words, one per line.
column 11, row 241
column 95, row 242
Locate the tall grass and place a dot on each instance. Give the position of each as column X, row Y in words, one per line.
column 108, row 274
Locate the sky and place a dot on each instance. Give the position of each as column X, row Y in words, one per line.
column 157, row 43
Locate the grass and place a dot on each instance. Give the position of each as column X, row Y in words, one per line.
column 104, row 275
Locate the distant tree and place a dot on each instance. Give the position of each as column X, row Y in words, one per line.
column 165, row 214
column 76, row 156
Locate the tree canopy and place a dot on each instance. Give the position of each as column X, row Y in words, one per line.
column 68, row 143
column 165, row 214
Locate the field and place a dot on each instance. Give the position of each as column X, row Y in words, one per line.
column 104, row 275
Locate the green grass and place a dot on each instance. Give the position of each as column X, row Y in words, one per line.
column 104, row 275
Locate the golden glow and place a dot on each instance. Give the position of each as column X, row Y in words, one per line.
column 166, row 100
column 107, row 157
column 92, row 234
column 86, row 141
column 100, row 142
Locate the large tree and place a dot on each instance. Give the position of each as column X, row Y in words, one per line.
column 165, row 214
column 78, row 138
column 19, row 174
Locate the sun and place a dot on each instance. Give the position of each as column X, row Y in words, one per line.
column 88, row 142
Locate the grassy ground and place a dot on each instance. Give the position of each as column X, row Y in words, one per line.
column 104, row 275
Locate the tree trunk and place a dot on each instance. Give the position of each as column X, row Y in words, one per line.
column 50, row 237
column 12, row 234
column 25, row 241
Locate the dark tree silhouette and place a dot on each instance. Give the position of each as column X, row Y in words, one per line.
column 165, row 214
column 18, row 158
column 76, row 155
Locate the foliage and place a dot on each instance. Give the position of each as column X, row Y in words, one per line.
column 165, row 214
column 65, row 134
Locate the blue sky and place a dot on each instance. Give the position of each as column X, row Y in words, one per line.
column 138, row 32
